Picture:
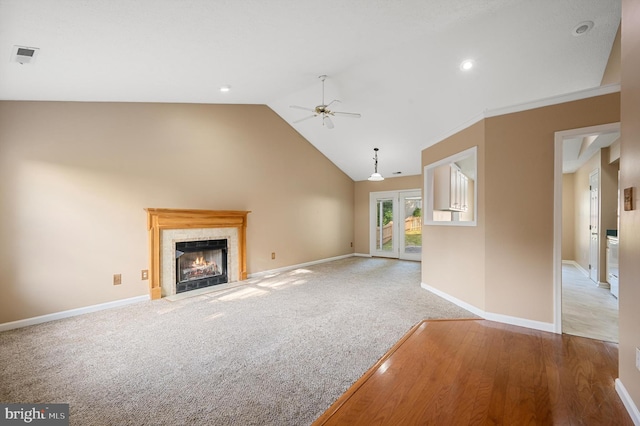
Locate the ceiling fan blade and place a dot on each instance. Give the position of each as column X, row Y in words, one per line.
column 329, row 104
column 327, row 122
column 346, row 114
column 306, row 118
column 303, row 108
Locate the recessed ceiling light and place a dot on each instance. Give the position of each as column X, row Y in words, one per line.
column 466, row 65
column 582, row 28
column 225, row 89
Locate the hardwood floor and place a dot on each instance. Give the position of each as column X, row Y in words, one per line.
column 478, row 372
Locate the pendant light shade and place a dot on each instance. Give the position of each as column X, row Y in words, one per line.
column 375, row 176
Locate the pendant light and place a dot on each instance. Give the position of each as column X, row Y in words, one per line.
column 375, row 177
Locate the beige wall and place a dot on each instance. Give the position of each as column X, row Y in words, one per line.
column 505, row 264
column 519, row 202
column 614, row 151
column 612, row 71
column 568, row 216
column 361, row 204
column 75, row 178
column 453, row 257
column 629, row 318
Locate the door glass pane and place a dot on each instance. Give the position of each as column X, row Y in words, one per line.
column 384, row 225
column 413, row 225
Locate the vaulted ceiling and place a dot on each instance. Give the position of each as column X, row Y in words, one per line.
column 395, row 62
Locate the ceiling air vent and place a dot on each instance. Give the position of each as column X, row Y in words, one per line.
column 24, row 55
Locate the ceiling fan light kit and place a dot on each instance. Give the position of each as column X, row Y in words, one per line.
column 323, row 110
column 375, row 176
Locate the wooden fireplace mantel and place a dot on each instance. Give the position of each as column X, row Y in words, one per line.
column 159, row 219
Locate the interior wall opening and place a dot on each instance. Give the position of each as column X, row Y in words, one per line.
column 586, row 231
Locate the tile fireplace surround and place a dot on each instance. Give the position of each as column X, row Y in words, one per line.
column 168, row 226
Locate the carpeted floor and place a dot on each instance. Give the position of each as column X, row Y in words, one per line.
column 277, row 351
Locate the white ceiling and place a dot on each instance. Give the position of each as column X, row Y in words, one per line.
column 395, row 62
column 577, row 151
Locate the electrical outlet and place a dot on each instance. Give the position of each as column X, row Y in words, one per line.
column 273, row 255
column 145, row 274
column 117, row 279
column 638, row 358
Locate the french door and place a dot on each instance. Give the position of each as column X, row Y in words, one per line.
column 396, row 224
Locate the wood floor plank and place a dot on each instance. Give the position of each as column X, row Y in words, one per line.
column 558, row 399
column 479, row 372
column 491, row 349
column 501, row 379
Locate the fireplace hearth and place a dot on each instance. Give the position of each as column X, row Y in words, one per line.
column 200, row 264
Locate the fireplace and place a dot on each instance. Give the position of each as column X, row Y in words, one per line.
column 170, row 228
column 200, row 264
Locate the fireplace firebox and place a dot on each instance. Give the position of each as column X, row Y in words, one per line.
column 200, row 264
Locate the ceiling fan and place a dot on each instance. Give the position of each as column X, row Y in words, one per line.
column 324, row 111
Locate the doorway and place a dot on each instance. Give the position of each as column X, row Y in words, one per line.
column 585, row 200
column 396, row 224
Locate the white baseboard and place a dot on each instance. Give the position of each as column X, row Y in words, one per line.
column 521, row 322
column 362, row 255
column 506, row 319
column 71, row 313
column 631, row 407
column 600, row 284
column 300, row 265
column 94, row 308
column 577, row 265
column 462, row 304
